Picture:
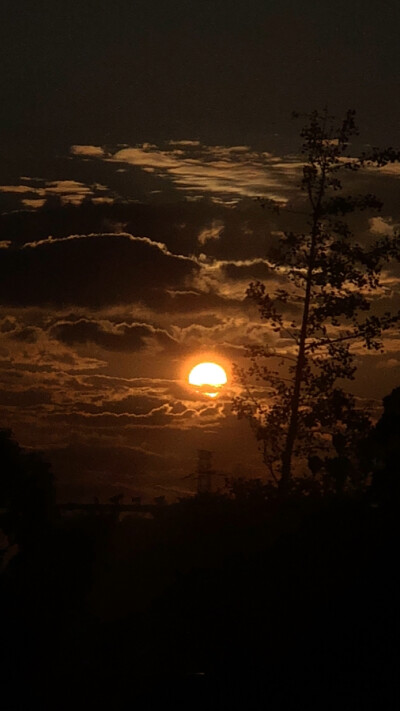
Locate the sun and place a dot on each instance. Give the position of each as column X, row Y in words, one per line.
column 208, row 378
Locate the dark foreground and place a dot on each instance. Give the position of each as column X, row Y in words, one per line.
column 232, row 603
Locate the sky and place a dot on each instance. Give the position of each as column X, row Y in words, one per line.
column 135, row 140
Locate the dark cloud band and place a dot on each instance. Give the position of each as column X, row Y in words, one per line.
column 93, row 270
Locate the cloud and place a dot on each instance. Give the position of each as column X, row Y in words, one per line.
column 212, row 232
column 185, row 227
column 27, row 334
column 251, row 270
column 380, row 226
column 389, row 363
column 35, row 204
column 120, row 337
column 88, row 151
column 232, row 172
column 161, row 417
column 19, row 189
column 95, row 305
column 91, row 270
column 189, row 301
column 137, row 403
column 226, row 172
column 8, row 324
column 71, row 192
column 32, row 397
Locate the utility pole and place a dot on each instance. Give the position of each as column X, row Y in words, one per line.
column 204, row 472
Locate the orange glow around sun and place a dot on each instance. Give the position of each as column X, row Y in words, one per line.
column 208, row 378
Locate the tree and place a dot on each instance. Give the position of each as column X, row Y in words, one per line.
column 26, row 492
column 330, row 284
column 381, row 452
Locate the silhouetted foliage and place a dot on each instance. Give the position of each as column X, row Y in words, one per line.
column 26, row 492
column 381, row 452
column 331, row 280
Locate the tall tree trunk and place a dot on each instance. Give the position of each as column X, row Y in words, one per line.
column 286, row 471
column 298, row 378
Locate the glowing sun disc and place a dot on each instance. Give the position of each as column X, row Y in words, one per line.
column 208, row 374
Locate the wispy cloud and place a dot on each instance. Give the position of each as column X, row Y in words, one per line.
column 226, row 172
column 68, row 191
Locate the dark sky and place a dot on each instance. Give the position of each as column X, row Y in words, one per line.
column 223, row 71
column 134, row 138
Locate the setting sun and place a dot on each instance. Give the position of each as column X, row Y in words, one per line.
column 208, row 377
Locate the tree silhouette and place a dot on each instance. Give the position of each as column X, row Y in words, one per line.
column 331, row 281
column 381, row 452
column 26, row 492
